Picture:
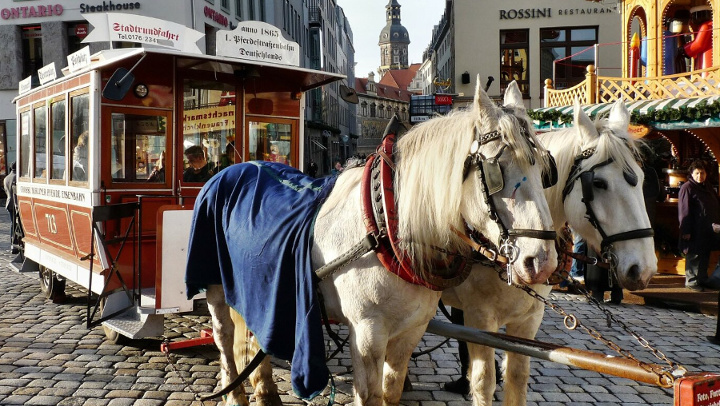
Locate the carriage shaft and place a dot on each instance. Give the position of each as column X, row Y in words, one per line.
column 593, row 361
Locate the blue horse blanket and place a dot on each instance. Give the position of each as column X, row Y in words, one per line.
column 252, row 232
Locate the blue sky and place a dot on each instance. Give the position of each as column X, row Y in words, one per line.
column 367, row 19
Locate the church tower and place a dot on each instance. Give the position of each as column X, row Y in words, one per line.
column 394, row 40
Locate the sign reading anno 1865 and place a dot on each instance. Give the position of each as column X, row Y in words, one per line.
column 257, row 41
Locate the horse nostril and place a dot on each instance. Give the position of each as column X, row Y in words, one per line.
column 529, row 264
column 633, row 273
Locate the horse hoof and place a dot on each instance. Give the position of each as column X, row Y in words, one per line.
column 268, row 400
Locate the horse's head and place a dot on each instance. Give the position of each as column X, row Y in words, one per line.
column 603, row 197
column 479, row 167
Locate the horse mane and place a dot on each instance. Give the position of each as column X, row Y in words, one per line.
column 566, row 144
column 429, row 178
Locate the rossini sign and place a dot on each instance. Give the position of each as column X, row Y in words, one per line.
column 547, row 12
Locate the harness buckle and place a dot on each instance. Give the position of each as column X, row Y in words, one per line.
column 491, row 251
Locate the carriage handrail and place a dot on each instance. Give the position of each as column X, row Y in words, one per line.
column 100, row 214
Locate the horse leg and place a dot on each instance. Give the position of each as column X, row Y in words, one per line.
column 223, row 332
column 368, row 344
column 517, row 367
column 482, row 374
column 265, row 389
column 482, row 360
column 397, row 356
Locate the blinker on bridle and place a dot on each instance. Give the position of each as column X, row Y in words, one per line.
column 491, row 181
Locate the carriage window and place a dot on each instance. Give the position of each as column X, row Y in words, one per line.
column 79, row 127
column 40, row 130
column 270, row 142
column 24, row 166
column 137, row 148
column 57, row 128
column 208, row 129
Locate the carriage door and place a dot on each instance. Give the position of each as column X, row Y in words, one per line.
column 136, row 143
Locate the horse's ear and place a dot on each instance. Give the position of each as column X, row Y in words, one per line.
column 482, row 101
column 513, row 96
column 584, row 125
column 619, row 118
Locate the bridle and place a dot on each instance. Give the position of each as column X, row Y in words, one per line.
column 491, row 181
column 586, row 181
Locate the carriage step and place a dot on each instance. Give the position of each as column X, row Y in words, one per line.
column 134, row 324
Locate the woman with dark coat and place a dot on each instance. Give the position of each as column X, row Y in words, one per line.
column 698, row 210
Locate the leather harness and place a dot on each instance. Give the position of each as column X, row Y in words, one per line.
column 380, row 218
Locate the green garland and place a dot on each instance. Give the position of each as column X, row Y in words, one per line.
column 699, row 112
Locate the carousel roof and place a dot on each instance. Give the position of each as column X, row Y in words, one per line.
column 665, row 114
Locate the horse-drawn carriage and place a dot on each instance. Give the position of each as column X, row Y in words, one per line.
column 108, row 168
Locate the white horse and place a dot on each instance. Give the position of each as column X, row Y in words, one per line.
column 436, row 194
column 489, row 303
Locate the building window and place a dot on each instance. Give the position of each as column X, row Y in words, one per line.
column 514, row 59
column 372, row 110
column 559, row 43
column 238, row 9
column 225, row 4
column 76, row 32
column 32, row 50
column 514, row 64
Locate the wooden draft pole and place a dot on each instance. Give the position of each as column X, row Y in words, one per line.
column 690, row 389
column 653, row 374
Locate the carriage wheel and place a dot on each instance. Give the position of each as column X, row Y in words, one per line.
column 51, row 285
column 112, row 336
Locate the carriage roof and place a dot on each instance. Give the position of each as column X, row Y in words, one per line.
column 305, row 78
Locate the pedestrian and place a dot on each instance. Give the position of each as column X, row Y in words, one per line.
column 698, row 211
column 337, row 169
column 312, row 168
column 10, row 205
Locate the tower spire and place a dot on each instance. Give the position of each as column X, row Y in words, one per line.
column 394, row 40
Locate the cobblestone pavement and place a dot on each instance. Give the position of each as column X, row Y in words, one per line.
column 48, row 357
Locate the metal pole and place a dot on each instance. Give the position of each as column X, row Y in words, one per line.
column 595, row 52
column 622, row 367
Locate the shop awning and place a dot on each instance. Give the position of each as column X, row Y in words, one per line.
column 666, row 114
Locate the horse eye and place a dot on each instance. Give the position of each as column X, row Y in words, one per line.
column 600, row 184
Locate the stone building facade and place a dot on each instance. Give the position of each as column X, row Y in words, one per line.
column 377, row 105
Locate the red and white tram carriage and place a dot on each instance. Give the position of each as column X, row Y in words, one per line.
column 109, row 165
